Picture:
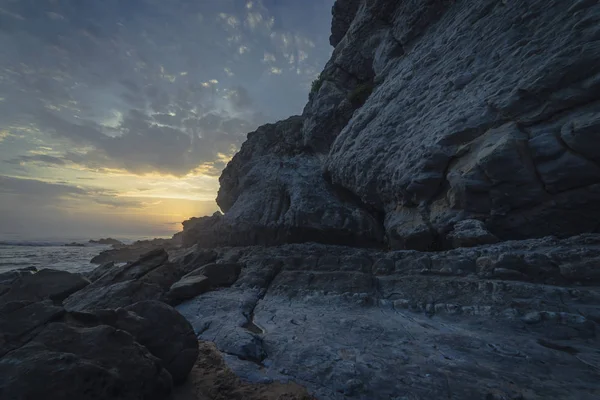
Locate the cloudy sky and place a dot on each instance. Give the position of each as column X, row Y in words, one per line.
column 117, row 116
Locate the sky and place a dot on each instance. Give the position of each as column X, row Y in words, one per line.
column 118, row 116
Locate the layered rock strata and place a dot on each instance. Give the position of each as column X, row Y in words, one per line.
column 429, row 113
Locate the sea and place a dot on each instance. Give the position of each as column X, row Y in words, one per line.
column 16, row 254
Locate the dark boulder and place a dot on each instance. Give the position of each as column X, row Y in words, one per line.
column 218, row 274
column 65, row 362
column 45, row 284
column 188, row 288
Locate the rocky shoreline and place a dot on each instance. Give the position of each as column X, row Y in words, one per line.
column 428, row 228
column 508, row 319
column 60, row 337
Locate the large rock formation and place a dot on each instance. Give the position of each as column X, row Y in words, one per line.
column 429, row 113
column 466, row 127
column 481, row 110
column 436, row 125
column 273, row 192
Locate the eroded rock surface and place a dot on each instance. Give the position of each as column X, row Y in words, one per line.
column 470, row 119
column 274, row 192
column 506, row 320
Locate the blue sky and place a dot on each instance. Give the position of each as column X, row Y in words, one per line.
column 117, row 116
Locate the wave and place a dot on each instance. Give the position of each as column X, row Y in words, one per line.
column 30, row 244
column 18, row 263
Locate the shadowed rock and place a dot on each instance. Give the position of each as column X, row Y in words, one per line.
column 119, row 286
column 66, row 362
column 137, row 352
column 159, row 328
column 45, row 284
column 224, row 274
column 469, row 233
column 188, row 288
column 97, row 272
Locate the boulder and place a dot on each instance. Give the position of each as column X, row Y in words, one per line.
column 9, row 277
column 132, row 252
column 161, row 329
column 66, row 362
column 100, row 270
column 134, row 270
column 168, row 336
column 45, row 284
column 133, row 352
column 21, row 320
column 116, row 295
column 170, row 272
column 119, row 286
column 187, row 288
column 218, row 274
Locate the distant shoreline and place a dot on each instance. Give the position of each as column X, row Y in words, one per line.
column 63, row 242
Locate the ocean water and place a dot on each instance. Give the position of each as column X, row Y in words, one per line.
column 50, row 254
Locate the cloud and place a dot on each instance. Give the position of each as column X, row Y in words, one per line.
column 52, row 193
column 162, row 143
column 37, row 158
column 144, row 86
column 120, row 203
column 35, row 187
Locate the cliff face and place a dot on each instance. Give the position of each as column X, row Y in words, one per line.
column 430, row 113
column 490, row 111
column 273, row 192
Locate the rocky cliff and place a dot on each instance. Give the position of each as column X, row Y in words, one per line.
column 466, row 127
column 429, row 113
